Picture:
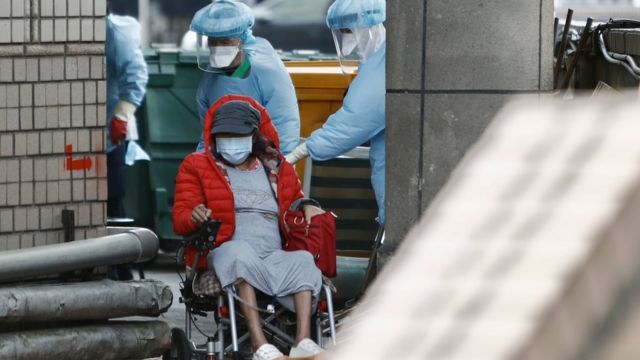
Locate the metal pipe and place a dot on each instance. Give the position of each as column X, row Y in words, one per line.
column 220, row 329
column 108, row 341
column 608, row 57
column 556, row 22
column 563, row 48
column 581, row 45
column 187, row 322
column 246, row 335
column 232, row 317
column 91, row 300
column 133, row 246
column 628, row 59
column 373, row 259
column 332, row 323
column 241, row 340
column 113, row 230
column 68, row 223
column 319, row 334
column 275, row 330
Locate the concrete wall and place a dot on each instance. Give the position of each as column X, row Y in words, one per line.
column 52, row 96
column 451, row 65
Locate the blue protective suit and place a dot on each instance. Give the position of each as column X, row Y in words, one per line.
column 268, row 82
column 361, row 118
column 126, row 69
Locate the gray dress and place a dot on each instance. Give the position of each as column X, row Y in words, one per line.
column 254, row 253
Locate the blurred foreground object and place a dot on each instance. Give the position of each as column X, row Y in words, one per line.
column 524, row 253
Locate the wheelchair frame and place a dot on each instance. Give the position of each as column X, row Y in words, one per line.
column 199, row 304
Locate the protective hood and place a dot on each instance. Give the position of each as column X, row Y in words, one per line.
column 223, row 18
column 266, row 125
column 350, row 14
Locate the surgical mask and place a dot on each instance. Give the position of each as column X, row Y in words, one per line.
column 349, row 43
column 235, row 149
column 222, row 56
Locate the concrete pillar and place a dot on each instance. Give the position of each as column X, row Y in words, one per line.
column 451, row 65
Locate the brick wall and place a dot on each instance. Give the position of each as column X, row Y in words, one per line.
column 52, row 99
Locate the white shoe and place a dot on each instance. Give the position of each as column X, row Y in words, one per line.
column 267, row 352
column 305, row 348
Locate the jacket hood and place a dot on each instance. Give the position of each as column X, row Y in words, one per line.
column 266, row 125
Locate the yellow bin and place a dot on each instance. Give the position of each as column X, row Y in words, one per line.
column 320, row 88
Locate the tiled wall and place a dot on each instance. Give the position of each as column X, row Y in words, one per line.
column 52, row 99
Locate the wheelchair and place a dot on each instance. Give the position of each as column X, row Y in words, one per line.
column 202, row 294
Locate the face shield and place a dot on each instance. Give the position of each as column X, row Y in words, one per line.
column 217, row 55
column 346, row 43
column 357, row 45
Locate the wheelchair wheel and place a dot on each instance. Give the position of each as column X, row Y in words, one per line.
column 180, row 346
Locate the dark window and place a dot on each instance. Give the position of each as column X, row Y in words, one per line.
column 294, row 11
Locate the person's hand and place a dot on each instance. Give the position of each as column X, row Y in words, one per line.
column 117, row 130
column 122, row 114
column 200, row 214
column 311, row 211
column 299, row 153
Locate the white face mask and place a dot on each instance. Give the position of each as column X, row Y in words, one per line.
column 349, row 43
column 235, row 149
column 222, row 56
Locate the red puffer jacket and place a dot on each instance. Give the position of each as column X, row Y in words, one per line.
column 200, row 181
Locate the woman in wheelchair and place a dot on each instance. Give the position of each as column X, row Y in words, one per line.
column 243, row 180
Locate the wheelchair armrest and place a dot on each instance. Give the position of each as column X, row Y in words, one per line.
column 326, row 281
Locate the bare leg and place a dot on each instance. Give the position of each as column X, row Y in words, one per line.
column 248, row 294
column 302, row 302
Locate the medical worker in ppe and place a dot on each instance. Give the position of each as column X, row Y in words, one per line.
column 236, row 62
column 126, row 85
column 360, row 42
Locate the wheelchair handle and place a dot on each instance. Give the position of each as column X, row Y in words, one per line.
column 205, row 238
column 201, row 240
